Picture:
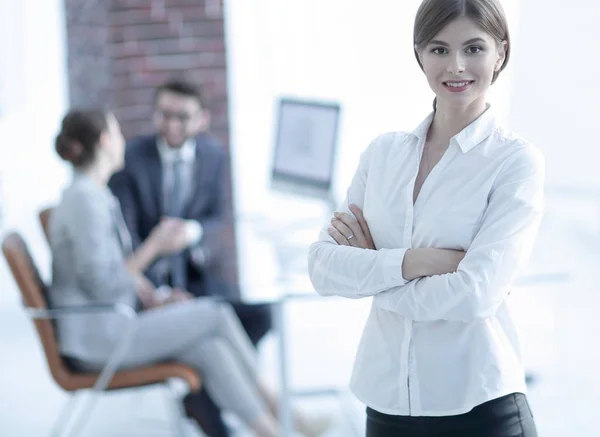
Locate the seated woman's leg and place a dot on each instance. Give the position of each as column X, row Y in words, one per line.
column 207, row 334
column 256, row 318
column 159, row 334
column 230, row 383
column 169, row 331
column 225, row 356
column 230, row 329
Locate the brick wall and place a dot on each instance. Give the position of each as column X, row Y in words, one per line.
column 120, row 50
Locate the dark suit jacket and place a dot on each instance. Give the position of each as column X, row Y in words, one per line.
column 139, row 190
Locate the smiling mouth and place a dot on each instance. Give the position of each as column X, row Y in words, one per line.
column 458, row 85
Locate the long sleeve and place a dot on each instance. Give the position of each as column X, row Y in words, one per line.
column 499, row 250
column 97, row 258
column 123, row 187
column 349, row 271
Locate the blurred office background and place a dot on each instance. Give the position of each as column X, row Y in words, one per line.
column 249, row 53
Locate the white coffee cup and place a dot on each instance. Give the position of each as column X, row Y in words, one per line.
column 194, row 232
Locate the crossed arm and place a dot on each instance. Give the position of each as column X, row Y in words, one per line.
column 426, row 284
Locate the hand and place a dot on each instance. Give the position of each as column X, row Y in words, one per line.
column 429, row 261
column 452, row 258
column 146, row 292
column 443, row 261
column 178, row 295
column 169, row 236
column 351, row 230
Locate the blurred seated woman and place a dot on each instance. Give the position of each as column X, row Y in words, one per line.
column 93, row 263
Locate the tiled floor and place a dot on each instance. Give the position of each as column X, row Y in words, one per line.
column 559, row 326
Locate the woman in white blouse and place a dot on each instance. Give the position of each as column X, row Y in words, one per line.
column 451, row 211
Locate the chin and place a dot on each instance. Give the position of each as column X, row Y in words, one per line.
column 176, row 143
column 457, row 100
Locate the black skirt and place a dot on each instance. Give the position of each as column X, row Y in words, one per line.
column 508, row 416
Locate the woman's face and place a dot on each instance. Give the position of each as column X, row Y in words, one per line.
column 114, row 143
column 460, row 61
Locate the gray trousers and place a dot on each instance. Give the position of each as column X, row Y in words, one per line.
column 207, row 335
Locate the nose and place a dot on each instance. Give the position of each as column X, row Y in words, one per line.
column 456, row 64
column 173, row 125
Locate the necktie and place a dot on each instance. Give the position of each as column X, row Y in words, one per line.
column 175, row 200
column 177, row 262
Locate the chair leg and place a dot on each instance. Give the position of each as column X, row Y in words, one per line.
column 106, row 374
column 176, row 410
column 68, row 414
column 87, row 406
column 65, row 415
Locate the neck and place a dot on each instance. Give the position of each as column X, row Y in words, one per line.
column 100, row 172
column 179, row 146
column 450, row 120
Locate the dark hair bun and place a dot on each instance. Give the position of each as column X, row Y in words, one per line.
column 68, row 148
column 79, row 136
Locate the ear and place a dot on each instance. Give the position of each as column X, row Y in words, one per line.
column 104, row 140
column 501, row 52
column 205, row 120
column 419, row 54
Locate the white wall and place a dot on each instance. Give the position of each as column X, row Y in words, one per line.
column 556, row 89
column 359, row 54
column 33, row 99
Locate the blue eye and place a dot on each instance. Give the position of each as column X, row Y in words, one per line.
column 439, row 51
column 474, row 49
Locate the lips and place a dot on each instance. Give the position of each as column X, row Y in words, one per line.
column 458, row 86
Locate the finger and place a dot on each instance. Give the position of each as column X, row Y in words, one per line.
column 353, row 228
column 360, row 218
column 182, row 294
column 339, row 238
column 344, row 231
column 350, row 221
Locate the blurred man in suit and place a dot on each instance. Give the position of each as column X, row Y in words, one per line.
column 180, row 172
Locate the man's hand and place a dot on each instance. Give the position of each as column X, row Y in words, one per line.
column 351, row 229
column 169, row 236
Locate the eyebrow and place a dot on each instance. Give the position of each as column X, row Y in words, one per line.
column 466, row 43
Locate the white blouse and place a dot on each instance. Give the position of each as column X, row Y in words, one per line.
column 439, row 345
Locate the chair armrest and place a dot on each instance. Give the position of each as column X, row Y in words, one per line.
column 116, row 356
column 62, row 312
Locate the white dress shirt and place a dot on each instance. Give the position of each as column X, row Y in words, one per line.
column 439, row 345
column 187, row 154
